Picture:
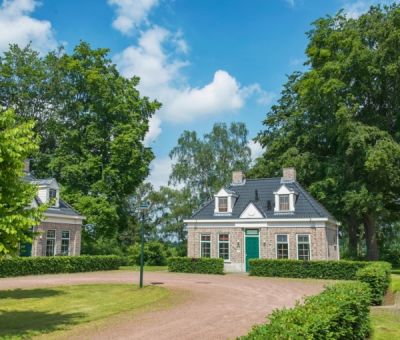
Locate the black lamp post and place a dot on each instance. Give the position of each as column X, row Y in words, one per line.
column 143, row 208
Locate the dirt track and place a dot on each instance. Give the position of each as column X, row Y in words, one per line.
column 218, row 307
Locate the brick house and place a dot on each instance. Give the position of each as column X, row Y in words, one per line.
column 272, row 218
column 60, row 230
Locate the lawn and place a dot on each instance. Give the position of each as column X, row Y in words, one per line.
column 386, row 321
column 28, row 312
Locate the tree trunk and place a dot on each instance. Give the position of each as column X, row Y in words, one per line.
column 353, row 238
column 371, row 238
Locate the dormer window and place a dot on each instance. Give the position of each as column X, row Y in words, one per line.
column 285, row 200
column 223, row 204
column 53, row 197
column 284, row 203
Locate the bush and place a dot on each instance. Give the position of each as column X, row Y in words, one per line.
column 335, row 270
column 377, row 276
column 155, row 254
column 19, row 266
column 196, row 265
column 339, row 312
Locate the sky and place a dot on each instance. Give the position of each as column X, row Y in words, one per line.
column 206, row 61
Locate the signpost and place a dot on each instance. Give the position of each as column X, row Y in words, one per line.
column 143, row 209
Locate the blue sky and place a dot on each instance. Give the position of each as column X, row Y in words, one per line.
column 207, row 61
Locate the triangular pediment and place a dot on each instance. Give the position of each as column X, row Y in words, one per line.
column 251, row 211
column 283, row 190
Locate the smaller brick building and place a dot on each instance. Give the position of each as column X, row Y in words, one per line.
column 60, row 231
column 271, row 218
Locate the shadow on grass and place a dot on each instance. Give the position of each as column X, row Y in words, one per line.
column 29, row 293
column 25, row 324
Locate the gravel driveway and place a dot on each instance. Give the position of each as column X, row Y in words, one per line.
column 217, row 307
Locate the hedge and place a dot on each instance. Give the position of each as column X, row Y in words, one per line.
column 339, row 312
column 335, row 270
column 19, row 266
column 196, row 265
column 377, row 276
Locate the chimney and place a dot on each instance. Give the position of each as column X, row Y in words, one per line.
column 26, row 166
column 289, row 175
column 238, row 178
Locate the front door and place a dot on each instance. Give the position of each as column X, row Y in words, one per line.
column 252, row 246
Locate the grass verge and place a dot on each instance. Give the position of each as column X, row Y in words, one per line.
column 25, row 313
column 146, row 268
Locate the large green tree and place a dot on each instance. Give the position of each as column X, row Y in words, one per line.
column 338, row 122
column 92, row 122
column 204, row 165
column 17, row 214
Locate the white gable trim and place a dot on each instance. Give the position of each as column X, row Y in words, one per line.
column 251, row 211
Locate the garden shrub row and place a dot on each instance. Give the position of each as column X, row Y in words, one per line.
column 19, row 266
column 196, row 265
column 333, row 270
column 377, row 276
column 339, row 312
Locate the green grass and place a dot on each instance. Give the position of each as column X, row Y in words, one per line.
column 396, row 271
column 385, row 323
column 395, row 284
column 146, row 268
column 26, row 313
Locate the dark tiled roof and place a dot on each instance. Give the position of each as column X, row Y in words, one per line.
column 305, row 205
column 63, row 209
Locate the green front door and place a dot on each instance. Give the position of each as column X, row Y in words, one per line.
column 252, row 246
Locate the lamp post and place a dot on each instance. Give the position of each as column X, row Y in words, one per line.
column 143, row 208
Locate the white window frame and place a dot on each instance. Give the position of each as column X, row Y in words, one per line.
column 63, row 239
column 51, row 238
column 281, row 196
column 201, row 243
column 297, row 245
column 229, row 246
column 276, row 245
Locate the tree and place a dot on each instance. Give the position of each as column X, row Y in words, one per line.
column 338, row 122
column 92, row 123
column 205, row 165
column 17, row 215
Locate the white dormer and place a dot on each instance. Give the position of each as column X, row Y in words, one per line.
column 224, row 202
column 284, row 200
column 251, row 211
column 49, row 190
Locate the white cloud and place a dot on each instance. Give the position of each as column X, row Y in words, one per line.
column 161, row 77
column 354, row 9
column 291, row 3
column 18, row 27
column 130, row 14
column 154, row 130
column 256, row 149
column 160, row 170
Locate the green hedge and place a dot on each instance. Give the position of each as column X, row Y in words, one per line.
column 196, row 265
column 19, row 266
column 377, row 276
column 335, row 270
column 339, row 312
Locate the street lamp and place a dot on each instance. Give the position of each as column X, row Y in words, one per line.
column 143, row 208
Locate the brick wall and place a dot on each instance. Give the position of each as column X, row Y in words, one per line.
column 39, row 244
column 318, row 237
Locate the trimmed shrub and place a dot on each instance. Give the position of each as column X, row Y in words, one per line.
column 19, row 266
column 377, row 276
column 155, row 254
column 335, row 270
column 196, row 265
column 339, row 312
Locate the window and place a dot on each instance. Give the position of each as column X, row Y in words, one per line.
column 65, row 242
column 53, row 196
column 282, row 247
column 303, row 247
column 205, row 246
column 283, row 202
column 223, row 204
column 223, row 246
column 50, row 242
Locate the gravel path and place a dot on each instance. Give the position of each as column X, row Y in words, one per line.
column 218, row 307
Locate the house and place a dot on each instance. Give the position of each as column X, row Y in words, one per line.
column 273, row 218
column 60, row 231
